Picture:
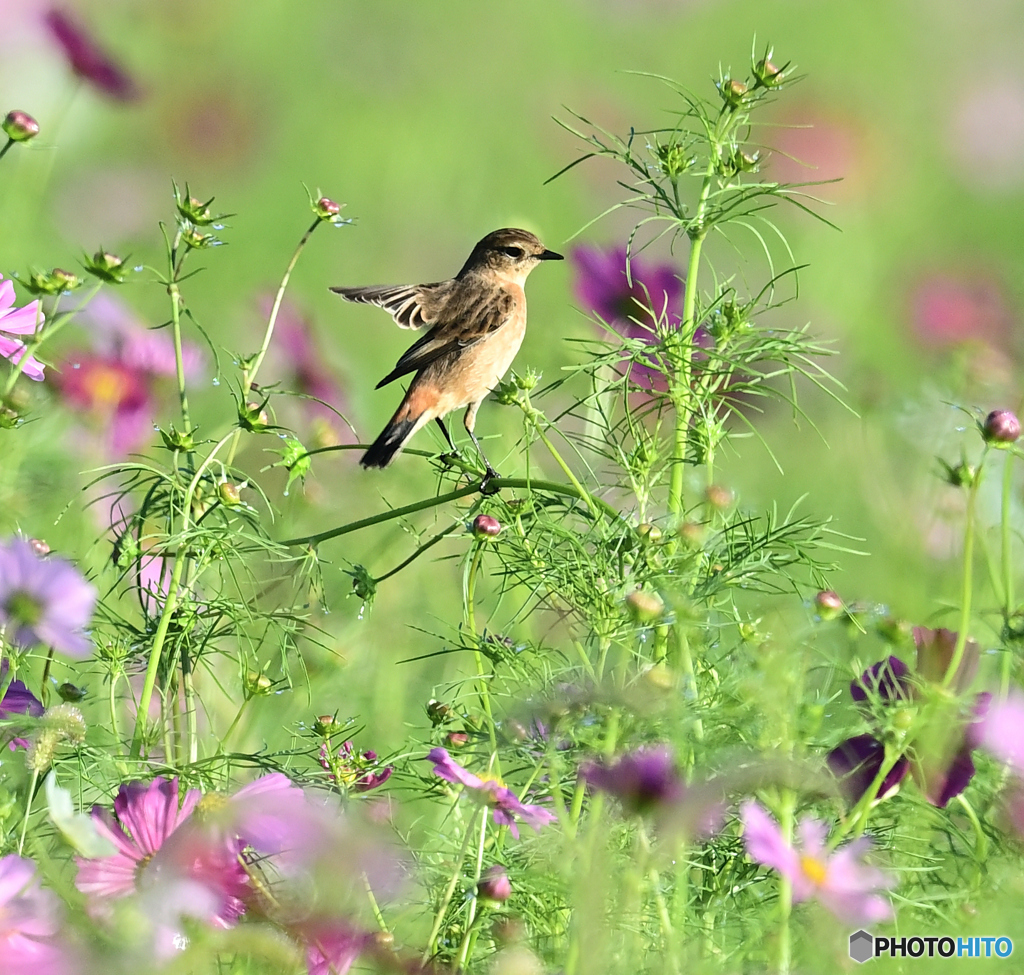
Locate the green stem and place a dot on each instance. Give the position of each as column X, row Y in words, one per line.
column 786, row 814
column 179, row 362
column 28, row 808
column 466, row 939
column 684, row 363
column 115, row 725
column 497, row 484
column 447, row 898
column 483, row 689
column 1009, row 598
column 44, row 684
column 191, row 717
column 234, row 723
column 6, row 148
column 968, row 580
column 534, row 417
column 250, row 374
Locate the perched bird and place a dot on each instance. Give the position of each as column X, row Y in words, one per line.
column 476, row 322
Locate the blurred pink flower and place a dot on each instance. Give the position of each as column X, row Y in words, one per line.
column 118, row 383
column 44, row 600
column 332, row 946
column 492, row 792
column 840, row 881
column 986, row 132
column 18, row 321
column 810, row 145
column 87, row 59
column 146, row 817
column 28, row 923
column 947, row 309
column 1001, row 731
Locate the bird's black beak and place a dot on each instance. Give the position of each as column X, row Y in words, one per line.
column 549, row 256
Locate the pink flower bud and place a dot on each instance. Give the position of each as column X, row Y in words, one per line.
column 494, row 885
column 828, row 604
column 20, row 126
column 327, row 208
column 484, row 526
column 1001, row 427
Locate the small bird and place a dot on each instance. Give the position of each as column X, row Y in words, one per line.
column 476, row 321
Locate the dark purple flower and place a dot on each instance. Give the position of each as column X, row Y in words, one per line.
column 87, row 59
column 491, row 791
column 856, row 763
column 635, row 306
column 935, row 649
column 44, row 600
column 840, row 880
column 642, row 780
column 887, row 682
column 18, row 699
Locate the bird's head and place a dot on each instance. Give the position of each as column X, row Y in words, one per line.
column 510, row 253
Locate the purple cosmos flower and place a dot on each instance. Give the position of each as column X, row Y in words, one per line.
column 18, row 321
column 28, row 923
column 18, row 699
column 146, row 817
column 118, row 383
column 839, row 881
column 1000, row 731
column 361, row 773
column 87, row 59
column 935, row 650
column 491, row 791
column 494, row 884
column 43, row 600
column 857, row 761
column 887, row 681
column 635, row 310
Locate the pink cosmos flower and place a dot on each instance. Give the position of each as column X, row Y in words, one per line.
column 118, row 382
column 44, row 600
column 18, row 321
column 491, row 791
column 146, row 817
column 840, row 881
column 28, row 923
column 332, row 946
column 1001, row 731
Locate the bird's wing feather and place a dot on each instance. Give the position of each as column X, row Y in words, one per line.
column 463, row 324
column 410, row 305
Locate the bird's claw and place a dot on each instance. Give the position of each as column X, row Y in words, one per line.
column 485, row 484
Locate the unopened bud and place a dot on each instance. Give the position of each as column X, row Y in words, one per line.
column 39, row 546
column 766, row 73
column 484, row 526
column 325, row 208
column 253, row 417
column 692, row 533
column 718, row 497
column 733, row 92
column 106, row 266
column 20, row 126
column 438, row 712
column 960, row 475
column 70, row 693
column 829, row 604
column 1001, row 427
column 644, row 607
column 258, row 685
column 650, row 533
column 457, row 739
column 494, row 884
column 229, row 493
column 54, row 282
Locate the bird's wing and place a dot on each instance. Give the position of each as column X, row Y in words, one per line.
column 410, row 305
column 464, row 323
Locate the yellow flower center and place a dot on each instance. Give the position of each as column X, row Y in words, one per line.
column 814, row 869
column 106, row 386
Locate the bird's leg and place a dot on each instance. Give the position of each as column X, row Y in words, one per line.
column 470, row 421
column 447, row 436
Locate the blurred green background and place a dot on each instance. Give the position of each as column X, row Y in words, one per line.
column 433, row 122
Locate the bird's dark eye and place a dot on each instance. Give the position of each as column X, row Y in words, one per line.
column 514, row 252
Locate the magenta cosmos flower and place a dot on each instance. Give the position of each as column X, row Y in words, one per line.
column 332, row 946
column 43, row 600
column 636, row 306
column 28, row 923
column 87, row 59
column 145, row 818
column 18, row 321
column 491, row 791
column 1001, row 731
column 839, row 881
column 118, row 383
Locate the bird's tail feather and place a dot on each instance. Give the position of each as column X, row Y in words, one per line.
column 390, row 442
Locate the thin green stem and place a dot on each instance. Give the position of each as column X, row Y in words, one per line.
column 6, row 148
column 466, row 939
column 179, row 361
column 249, row 376
column 968, row 580
column 497, row 484
column 784, row 956
column 44, row 684
column 483, row 688
column 447, row 898
column 534, row 417
column 234, row 724
column 115, row 725
column 28, row 808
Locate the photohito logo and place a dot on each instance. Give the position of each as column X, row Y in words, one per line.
column 864, row 946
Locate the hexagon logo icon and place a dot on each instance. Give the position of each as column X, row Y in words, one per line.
column 862, row 946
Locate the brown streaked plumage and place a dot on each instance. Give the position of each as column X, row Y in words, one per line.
column 476, row 321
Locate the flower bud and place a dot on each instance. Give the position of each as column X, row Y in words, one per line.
column 494, row 885
column 229, row 493
column 39, row 547
column 258, row 685
column 70, row 693
column 828, row 604
column 528, row 380
column 324, row 725
column 253, row 417
column 1001, row 427
column 177, row 440
column 692, row 534
column 484, row 526
column 20, row 126
column 718, row 497
column 960, row 475
column 457, row 739
column 649, row 533
column 325, row 208
column 733, row 92
column 644, row 607
column 106, row 266
column 767, row 74
column 53, row 282
column 746, row 162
